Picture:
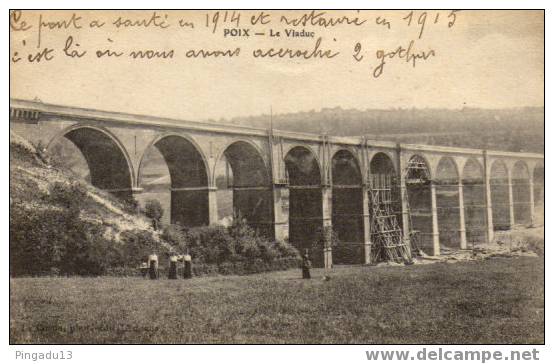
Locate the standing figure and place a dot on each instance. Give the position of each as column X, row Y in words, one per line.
column 187, row 271
column 172, row 267
column 153, row 266
column 306, row 265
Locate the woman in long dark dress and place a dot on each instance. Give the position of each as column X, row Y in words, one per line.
column 306, row 265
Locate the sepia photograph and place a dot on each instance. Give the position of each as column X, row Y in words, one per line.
column 363, row 177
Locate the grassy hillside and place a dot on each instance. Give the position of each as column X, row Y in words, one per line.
column 31, row 179
column 52, row 212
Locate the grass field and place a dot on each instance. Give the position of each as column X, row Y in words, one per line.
column 499, row 300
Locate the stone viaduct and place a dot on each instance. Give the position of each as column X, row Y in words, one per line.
column 290, row 185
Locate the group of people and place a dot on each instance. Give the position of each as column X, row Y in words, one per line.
column 150, row 268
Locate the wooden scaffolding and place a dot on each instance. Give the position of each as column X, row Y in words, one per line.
column 386, row 233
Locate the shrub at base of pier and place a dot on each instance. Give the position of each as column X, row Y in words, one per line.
column 234, row 250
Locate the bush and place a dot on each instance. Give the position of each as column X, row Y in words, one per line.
column 238, row 243
column 137, row 245
column 57, row 241
column 50, row 240
column 153, row 210
column 33, row 241
column 68, row 195
column 175, row 235
column 234, row 250
column 129, row 204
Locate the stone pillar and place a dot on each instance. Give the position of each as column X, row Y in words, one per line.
column 435, row 221
column 511, row 202
column 532, row 199
column 404, row 199
column 281, row 211
column 327, row 212
column 463, row 238
column 212, row 205
column 488, row 199
column 367, row 226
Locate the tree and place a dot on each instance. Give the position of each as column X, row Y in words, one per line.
column 153, row 209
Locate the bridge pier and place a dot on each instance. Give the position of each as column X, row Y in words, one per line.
column 404, row 199
column 532, row 199
column 462, row 214
column 434, row 219
column 281, row 195
column 488, row 200
column 367, row 226
column 327, row 217
column 511, row 202
column 213, row 217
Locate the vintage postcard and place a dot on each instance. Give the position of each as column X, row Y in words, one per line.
column 277, row 177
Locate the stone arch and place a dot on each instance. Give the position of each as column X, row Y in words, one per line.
column 474, row 201
column 448, row 202
column 500, row 200
column 383, row 175
column 109, row 165
column 473, row 170
column 305, row 196
column 186, row 138
column 521, row 193
column 382, row 163
column 308, row 148
column 391, row 156
column 423, row 161
column 242, row 141
column 418, row 188
column 447, row 171
column 188, row 182
column 244, row 189
column 347, row 207
column 538, row 192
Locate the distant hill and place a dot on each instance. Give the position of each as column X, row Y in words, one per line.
column 517, row 129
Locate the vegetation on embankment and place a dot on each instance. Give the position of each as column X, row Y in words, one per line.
column 493, row 301
column 63, row 226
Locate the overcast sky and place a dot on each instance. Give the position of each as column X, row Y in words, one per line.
column 489, row 59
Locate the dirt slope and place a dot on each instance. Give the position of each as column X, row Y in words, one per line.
column 31, row 178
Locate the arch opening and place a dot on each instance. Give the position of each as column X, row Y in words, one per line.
column 474, row 202
column 418, row 189
column 96, row 157
column 244, row 189
column 538, row 193
column 521, row 194
column 448, row 203
column 173, row 172
column 305, row 197
column 500, row 198
column 347, row 208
